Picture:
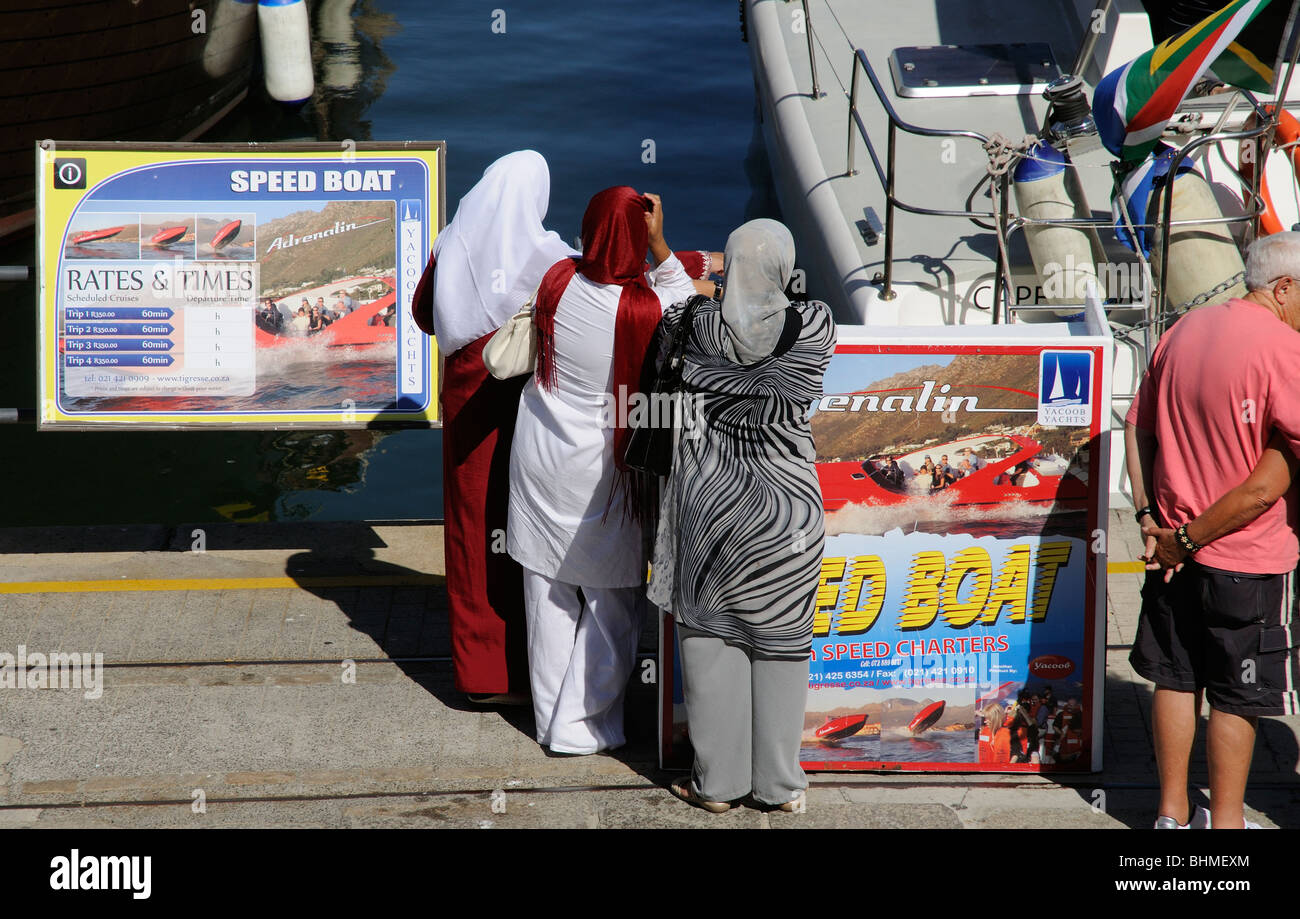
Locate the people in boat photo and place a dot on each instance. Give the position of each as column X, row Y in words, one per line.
column 893, row 472
column 318, row 321
column 300, row 324
column 993, row 741
column 269, row 318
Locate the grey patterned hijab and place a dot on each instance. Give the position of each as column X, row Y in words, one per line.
column 760, row 260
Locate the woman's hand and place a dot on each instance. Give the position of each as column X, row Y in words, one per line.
column 654, row 219
column 654, row 222
column 717, row 263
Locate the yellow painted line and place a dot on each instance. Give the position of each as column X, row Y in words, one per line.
column 1126, row 567
column 178, row 584
column 62, row 587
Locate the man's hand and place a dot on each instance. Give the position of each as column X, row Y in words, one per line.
column 1163, row 551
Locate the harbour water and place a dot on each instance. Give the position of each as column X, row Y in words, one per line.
column 659, row 97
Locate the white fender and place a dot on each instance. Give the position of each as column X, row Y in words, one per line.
column 1200, row 257
column 286, row 50
column 1065, row 257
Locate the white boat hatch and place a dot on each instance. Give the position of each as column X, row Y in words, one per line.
column 935, row 151
column 1012, row 69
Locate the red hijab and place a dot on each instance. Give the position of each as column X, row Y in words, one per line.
column 614, row 243
column 422, row 301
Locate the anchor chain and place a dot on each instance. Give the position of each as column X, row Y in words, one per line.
column 1199, row 300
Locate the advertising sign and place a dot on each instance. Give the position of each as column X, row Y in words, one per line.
column 962, row 590
column 187, row 285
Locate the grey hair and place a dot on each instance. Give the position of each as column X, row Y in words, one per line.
column 1272, row 257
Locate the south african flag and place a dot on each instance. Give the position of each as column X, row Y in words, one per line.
column 1237, row 45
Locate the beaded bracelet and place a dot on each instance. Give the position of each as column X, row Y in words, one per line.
column 1186, row 541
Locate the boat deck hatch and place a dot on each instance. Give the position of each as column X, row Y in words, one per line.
column 973, row 70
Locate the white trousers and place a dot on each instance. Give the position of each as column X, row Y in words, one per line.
column 581, row 651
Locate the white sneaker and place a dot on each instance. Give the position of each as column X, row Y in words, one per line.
column 1246, row 824
column 1200, row 820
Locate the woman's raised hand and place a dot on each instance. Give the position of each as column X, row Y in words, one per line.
column 654, row 221
column 654, row 218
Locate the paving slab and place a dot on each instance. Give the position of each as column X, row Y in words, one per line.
column 229, row 688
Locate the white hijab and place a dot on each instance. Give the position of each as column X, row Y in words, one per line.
column 494, row 252
column 760, row 260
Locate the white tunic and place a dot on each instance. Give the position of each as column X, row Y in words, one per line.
column 562, row 459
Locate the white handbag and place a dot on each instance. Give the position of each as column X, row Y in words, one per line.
column 513, row 349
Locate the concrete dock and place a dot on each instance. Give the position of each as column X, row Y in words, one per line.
column 224, row 704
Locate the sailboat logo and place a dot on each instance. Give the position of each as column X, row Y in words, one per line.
column 1065, row 388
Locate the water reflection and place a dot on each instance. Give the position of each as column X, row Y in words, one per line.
column 560, row 82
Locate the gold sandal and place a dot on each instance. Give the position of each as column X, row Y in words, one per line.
column 681, row 788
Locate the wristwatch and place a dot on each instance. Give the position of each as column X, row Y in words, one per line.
column 1143, row 511
column 717, row 291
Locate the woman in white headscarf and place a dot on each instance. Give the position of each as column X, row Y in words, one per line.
column 486, row 264
column 739, row 544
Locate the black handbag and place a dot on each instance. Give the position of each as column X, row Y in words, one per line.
column 650, row 446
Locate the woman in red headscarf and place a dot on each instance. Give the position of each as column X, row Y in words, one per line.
column 488, row 262
column 571, row 525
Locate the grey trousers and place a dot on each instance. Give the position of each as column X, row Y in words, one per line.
column 745, row 712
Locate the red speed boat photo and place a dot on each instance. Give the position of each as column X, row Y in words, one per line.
column 1022, row 475
column 168, row 235
column 91, row 235
column 838, row 729
column 926, row 718
column 226, row 234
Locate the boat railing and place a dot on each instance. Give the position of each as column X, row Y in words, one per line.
column 1004, row 223
column 812, row 58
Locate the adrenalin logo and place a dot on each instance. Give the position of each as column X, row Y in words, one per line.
column 289, row 240
column 1065, row 388
column 926, row 401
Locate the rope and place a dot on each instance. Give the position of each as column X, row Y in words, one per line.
column 1003, row 153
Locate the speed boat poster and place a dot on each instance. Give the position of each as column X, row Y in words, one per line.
column 959, row 580
column 963, row 576
column 205, row 285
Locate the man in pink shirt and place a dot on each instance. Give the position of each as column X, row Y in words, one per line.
column 1222, row 382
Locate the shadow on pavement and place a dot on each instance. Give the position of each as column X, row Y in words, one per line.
column 405, row 614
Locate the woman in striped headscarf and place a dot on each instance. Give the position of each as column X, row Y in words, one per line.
column 739, row 544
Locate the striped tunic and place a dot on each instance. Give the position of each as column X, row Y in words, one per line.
column 739, row 544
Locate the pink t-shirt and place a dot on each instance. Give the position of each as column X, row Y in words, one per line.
column 1221, row 381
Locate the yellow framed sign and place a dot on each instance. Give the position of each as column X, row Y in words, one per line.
column 247, row 285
